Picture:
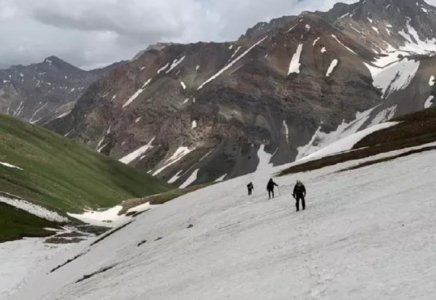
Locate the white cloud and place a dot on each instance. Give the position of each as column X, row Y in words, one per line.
column 97, row 32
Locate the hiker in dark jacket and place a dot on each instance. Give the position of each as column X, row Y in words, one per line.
column 270, row 188
column 300, row 194
column 250, row 188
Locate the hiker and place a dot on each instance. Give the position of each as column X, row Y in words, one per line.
column 250, row 188
column 270, row 188
column 299, row 194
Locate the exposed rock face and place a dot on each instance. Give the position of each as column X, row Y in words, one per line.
column 44, row 91
column 202, row 112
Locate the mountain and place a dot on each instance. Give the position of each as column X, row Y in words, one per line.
column 204, row 112
column 367, row 233
column 44, row 91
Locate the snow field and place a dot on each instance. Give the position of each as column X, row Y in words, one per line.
column 321, row 140
column 361, row 237
column 347, row 143
column 19, row 259
column 395, row 76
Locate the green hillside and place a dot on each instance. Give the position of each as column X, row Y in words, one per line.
column 64, row 175
column 16, row 224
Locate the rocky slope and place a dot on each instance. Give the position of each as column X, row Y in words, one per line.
column 44, row 91
column 203, row 112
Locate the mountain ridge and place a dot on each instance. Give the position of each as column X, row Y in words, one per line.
column 43, row 91
column 283, row 90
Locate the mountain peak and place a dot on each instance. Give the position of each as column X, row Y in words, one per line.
column 54, row 61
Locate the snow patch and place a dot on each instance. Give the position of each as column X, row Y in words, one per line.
column 348, row 143
column 163, row 68
column 190, row 180
column 349, row 49
column 321, row 139
column 294, row 66
column 35, row 210
column 139, row 208
column 175, row 177
column 36, row 112
column 316, row 41
column 286, row 130
column 8, row 165
column 18, row 110
column 429, row 102
column 395, row 77
column 178, row 155
column 221, row 178
column 431, row 81
column 264, row 159
column 137, row 153
column 138, row 92
column 332, row 67
column 384, row 115
column 175, row 63
column 183, row 85
column 231, row 64
column 106, row 218
column 194, row 124
column 64, row 115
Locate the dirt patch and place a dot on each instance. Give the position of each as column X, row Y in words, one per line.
column 142, row 243
column 60, row 240
column 72, row 234
column 96, row 230
column 157, row 199
column 85, row 277
column 110, row 233
column 68, row 261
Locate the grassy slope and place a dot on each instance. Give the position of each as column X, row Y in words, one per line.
column 62, row 174
column 413, row 130
column 16, row 224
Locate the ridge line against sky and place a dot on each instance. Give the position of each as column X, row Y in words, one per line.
column 96, row 33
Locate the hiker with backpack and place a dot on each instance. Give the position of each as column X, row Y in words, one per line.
column 250, row 188
column 299, row 194
column 270, row 188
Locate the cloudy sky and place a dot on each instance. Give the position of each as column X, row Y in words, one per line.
column 93, row 33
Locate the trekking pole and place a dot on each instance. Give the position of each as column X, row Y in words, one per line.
column 280, row 194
